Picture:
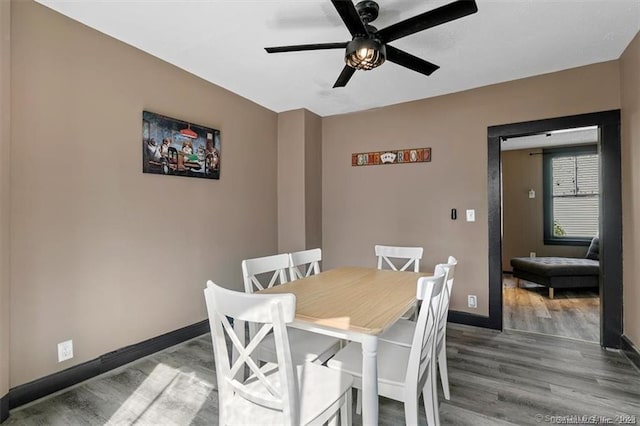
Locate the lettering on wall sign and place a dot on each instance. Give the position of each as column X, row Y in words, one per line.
column 400, row 156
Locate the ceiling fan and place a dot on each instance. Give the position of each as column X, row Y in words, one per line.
column 369, row 46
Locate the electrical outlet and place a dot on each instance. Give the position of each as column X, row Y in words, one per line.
column 532, row 254
column 472, row 301
column 65, row 350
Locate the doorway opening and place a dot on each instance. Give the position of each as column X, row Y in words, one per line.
column 550, row 225
column 610, row 214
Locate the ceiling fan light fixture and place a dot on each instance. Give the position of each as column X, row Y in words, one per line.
column 365, row 53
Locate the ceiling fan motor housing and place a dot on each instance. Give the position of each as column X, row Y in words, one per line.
column 368, row 10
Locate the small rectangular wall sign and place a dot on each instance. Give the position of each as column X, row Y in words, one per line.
column 400, row 156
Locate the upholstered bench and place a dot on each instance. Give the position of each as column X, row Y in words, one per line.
column 560, row 272
column 557, row 272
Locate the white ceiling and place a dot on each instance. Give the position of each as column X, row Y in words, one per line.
column 222, row 41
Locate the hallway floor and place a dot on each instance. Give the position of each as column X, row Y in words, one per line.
column 573, row 313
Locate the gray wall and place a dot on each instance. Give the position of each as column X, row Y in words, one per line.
column 5, row 199
column 299, row 180
column 410, row 204
column 630, row 93
column 100, row 252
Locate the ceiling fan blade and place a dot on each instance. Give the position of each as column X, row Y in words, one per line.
column 432, row 18
column 344, row 77
column 407, row 60
column 350, row 17
column 301, row 47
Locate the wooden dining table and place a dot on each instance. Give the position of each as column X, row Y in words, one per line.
column 356, row 304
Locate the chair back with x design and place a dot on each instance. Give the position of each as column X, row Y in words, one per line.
column 421, row 368
column 264, row 272
column 409, row 255
column 272, row 386
column 305, row 263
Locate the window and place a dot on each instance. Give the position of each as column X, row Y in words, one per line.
column 571, row 195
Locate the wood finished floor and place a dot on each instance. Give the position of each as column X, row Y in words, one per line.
column 496, row 378
column 573, row 313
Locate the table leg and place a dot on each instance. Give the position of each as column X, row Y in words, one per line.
column 370, row 380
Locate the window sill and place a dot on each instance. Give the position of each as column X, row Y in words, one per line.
column 567, row 241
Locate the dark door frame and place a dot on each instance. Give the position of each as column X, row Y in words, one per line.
column 610, row 214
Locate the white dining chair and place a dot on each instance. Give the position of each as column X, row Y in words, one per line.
column 398, row 258
column 405, row 373
column 277, row 393
column 388, row 257
column 401, row 333
column 304, row 263
column 265, row 272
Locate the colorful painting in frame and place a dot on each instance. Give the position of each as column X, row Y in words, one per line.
column 179, row 148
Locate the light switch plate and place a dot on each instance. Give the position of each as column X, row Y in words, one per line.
column 471, row 215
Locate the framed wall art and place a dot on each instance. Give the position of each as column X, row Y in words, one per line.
column 179, row 148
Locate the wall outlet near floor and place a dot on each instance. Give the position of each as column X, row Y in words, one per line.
column 65, row 350
column 532, row 254
column 472, row 301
